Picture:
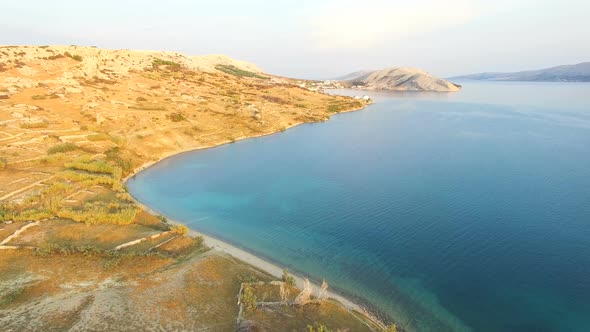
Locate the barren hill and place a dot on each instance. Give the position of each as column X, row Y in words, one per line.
column 402, row 79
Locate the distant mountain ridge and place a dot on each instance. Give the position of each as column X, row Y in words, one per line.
column 567, row 73
column 399, row 79
column 352, row 75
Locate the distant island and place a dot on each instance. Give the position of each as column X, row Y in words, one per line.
column 567, row 73
column 398, row 79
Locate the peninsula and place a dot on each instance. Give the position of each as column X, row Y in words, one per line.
column 77, row 251
column 399, row 79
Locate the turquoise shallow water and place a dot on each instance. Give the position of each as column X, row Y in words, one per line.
column 449, row 212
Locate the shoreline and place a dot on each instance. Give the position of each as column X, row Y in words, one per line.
column 272, row 268
column 165, row 156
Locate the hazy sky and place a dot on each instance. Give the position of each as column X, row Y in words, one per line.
column 321, row 38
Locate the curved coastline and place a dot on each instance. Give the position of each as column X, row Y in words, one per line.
column 264, row 264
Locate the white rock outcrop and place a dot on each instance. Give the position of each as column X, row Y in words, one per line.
column 403, row 79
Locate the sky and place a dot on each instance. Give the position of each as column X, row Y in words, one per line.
column 322, row 38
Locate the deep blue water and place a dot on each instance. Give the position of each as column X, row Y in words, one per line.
column 463, row 211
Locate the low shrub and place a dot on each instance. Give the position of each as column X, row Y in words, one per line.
column 248, row 298
column 73, row 56
column 176, row 117
column 160, row 62
column 100, row 215
column 233, row 70
column 10, row 296
column 97, row 166
column 288, row 278
column 274, row 99
column 31, row 214
column 63, row 148
column 179, row 229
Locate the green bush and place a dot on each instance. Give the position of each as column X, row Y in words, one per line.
column 288, row 278
column 333, row 108
column 3, row 163
column 97, row 166
column 391, row 328
column 179, row 229
column 100, row 215
column 233, row 70
column 89, row 180
column 247, row 278
column 74, row 56
column 32, row 214
column 113, row 155
column 10, row 296
column 62, row 148
column 248, row 298
column 176, row 116
column 161, row 62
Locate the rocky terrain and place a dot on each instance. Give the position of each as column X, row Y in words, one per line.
column 76, row 251
column 567, row 73
column 401, row 79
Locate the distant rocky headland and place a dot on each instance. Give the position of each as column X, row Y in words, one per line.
column 567, row 73
column 399, row 79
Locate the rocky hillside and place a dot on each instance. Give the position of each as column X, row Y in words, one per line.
column 157, row 102
column 402, row 79
column 66, row 66
column 567, row 73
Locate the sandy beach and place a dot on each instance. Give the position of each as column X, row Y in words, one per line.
column 264, row 265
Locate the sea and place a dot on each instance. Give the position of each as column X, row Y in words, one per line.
column 465, row 211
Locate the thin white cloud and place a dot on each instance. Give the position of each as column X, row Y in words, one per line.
column 365, row 24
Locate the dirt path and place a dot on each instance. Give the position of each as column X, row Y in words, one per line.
column 12, row 193
column 19, row 231
column 138, row 241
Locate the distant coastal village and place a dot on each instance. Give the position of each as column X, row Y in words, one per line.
column 321, row 86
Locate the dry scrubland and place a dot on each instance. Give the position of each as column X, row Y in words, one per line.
column 76, row 252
